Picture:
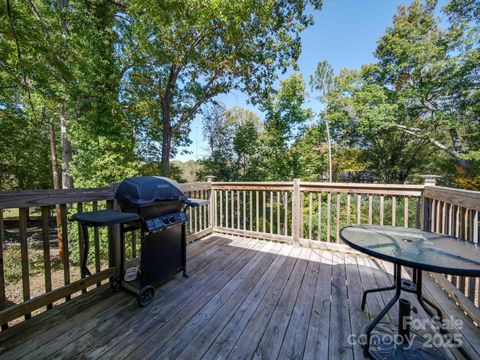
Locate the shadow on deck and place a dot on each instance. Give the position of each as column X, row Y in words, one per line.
column 245, row 298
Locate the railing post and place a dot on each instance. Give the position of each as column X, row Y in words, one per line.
column 430, row 180
column 296, row 218
column 211, row 203
column 113, row 242
column 424, row 214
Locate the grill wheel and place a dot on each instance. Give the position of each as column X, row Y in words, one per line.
column 116, row 284
column 146, row 295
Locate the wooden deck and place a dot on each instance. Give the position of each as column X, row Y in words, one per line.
column 244, row 299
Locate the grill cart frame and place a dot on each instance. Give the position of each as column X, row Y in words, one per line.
column 155, row 206
column 158, row 261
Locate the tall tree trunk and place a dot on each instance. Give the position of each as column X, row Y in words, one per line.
column 67, row 181
column 166, row 148
column 166, row 104
column 53, row 156
column 56, row 185
column 457, row 145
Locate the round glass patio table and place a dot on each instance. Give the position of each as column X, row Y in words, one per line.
column 419, row 250
column 415, row 248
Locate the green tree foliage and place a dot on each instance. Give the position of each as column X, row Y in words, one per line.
column 361, row 113
column 58, row 66
column 117, row 83
column 310, row 153
column 188, row 170
column 179, row 55
column 321, row 81
column 281, row 147
column 114, row 86
column 420, row 95
column 234, row 140
column 24, row 151
column 285, row 121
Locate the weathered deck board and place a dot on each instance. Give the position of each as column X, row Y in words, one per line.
column 247, row 344
column 256, row 307
column 358, row 318
column 181, row 329
column 294, row 343
column 221, row 323
column 244, row 299
column 273, row 336
column 316, row 346
column 338, row 347
column 120, row 342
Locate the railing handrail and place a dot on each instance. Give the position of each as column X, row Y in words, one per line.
column 458, row 197
column 51, row 197
column 358, row 188
column 365, row 188
column 200, row 225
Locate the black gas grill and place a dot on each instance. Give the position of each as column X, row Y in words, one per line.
column 156, row 206
column 159, row 201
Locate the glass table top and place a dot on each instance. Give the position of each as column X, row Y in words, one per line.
column 415, row 248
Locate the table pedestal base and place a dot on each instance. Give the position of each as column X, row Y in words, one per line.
column 417, row 346
column 415, row 287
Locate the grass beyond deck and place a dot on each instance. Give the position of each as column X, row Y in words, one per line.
column 244, row 299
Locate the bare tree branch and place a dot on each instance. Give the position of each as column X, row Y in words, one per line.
column 415, row 132
column 190, row 112
column 36, row 13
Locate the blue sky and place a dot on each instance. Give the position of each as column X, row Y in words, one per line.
column 345, row 34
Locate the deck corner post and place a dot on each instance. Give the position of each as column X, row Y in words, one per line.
column 296, row 218
column 430, row 180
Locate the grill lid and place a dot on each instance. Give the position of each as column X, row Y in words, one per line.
column 146, row 190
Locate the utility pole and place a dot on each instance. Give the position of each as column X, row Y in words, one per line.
column 329, row 152
column 322, row 80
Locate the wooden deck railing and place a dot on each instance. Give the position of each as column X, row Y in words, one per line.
column 455, row 212
column 300, row 212
column 311, row 212
column 56, row 279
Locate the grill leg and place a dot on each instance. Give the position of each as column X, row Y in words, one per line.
column 85, row 270
column 122, row 253
column 184, row 250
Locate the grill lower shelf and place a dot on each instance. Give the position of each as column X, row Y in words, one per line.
column 162, row 256
column 133, row 286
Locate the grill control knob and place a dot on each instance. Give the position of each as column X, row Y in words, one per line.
column 165, row 221
column 172, row 220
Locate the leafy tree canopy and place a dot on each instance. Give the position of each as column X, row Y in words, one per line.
column 422, row 93
column 234, row 140
column 179, row 55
